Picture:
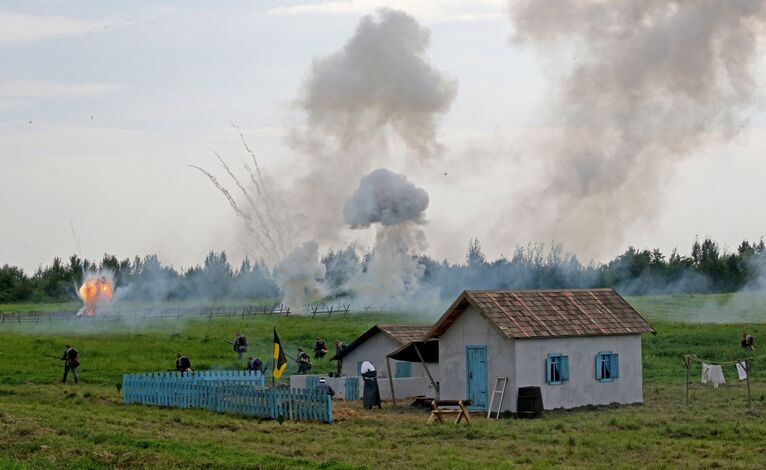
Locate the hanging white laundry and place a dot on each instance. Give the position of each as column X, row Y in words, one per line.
column 715, row 375
column 705, row 373
column 742, row 370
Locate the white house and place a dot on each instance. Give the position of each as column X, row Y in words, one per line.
column 581, row 347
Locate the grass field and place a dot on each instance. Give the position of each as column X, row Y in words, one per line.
column 44, row 424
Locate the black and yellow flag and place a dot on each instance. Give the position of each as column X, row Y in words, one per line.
column 279, row 357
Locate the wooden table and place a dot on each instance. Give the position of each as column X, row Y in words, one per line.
column 449, row 407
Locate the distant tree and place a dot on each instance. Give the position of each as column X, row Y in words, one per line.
column 14, row 285
column 474, row 256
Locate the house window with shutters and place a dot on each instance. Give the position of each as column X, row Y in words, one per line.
column 556, row 369
column 607, row 366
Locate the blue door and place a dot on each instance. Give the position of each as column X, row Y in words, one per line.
column 476, row 376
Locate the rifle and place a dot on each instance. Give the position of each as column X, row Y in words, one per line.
column 54, row 357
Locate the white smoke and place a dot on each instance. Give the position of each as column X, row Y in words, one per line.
column 381, row 77
column 379, row 86
column 379, row 90
column 640, row 85
column 396, row 207
column 387, row 198
column 299, row 276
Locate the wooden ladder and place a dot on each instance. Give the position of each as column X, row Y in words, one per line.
column 498, row 390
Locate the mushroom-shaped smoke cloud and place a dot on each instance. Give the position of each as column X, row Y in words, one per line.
column 387, row 198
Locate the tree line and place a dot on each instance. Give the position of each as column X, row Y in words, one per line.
column 707, row 268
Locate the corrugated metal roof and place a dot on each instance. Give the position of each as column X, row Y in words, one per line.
column 550, row 313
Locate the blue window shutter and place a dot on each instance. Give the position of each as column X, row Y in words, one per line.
column 548, row 377
column 359, row 368
column 598, row 366
column 564, row 368
column 615, row 366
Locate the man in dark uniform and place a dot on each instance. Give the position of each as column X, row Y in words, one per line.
column 304, row 362
column 324, row 387
column 339, row 347
column 255, row 364
column 320, row 348
column 748, row 343
column 71, row 360
column 183, row 363
column 240, row 345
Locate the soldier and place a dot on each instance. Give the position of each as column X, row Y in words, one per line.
column 240, row 345
column 255, row 364
column 320, row 348
column 71, row 360
column 748, row 343
column 339, row 347
column 183, row 364
column 304, row 362
column 324, row 387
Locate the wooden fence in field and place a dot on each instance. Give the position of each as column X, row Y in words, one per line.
column 170, row 313
column 239, row 392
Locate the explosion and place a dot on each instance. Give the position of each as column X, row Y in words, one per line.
column 95, row 292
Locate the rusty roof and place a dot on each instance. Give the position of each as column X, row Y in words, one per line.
column 549, row 313
column 402, row 333
column 405, row 333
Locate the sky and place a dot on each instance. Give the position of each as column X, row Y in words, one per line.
column 104, row 104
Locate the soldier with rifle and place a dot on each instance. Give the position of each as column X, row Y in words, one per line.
column 240, row 345
column 71, row 360
column 304, row 361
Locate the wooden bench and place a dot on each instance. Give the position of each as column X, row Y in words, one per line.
column 449, row 407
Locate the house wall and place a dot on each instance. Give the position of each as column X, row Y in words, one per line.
column 582, row 388
column 404, row 388
column 523, row 362
column 375, row 350
column 471, row 329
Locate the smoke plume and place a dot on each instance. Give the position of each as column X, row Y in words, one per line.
column 379, row 90
column 386, row 198
column 299, row 275
column 380, row 77
column 640, row 85
column 397, row 207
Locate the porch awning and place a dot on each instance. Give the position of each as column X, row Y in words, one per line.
column 407, row 353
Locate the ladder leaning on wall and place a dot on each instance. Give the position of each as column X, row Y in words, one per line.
column 499, row 389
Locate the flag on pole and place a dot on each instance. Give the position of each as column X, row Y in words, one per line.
column 279, row 357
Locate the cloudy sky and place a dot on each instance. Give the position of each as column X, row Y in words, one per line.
column 104, row 104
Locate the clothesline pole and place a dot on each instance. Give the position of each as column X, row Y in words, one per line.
column 747, row 376
column 687, row 361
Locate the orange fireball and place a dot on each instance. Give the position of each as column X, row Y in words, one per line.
column 95, row 292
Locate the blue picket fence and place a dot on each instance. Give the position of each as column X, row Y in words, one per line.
column 226, row 392
column 352, row 388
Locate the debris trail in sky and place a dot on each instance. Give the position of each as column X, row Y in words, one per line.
column 262, row 227
column 262, row 190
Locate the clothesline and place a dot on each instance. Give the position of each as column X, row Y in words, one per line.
column 690, row 357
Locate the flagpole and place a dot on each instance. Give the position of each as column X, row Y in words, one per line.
column 273, row 359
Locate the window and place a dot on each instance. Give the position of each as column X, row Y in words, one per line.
column 403, row 369
column 556, row 369
column 607, row 366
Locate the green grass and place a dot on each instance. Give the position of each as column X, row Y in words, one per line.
column 44, row 424
column 744, row 307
